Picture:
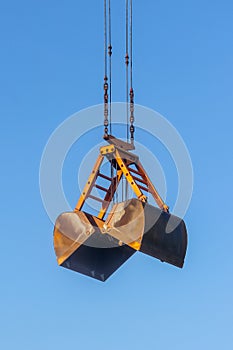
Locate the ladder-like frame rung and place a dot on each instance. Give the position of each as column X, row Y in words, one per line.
column 105, row 177
column 140, row 180
column 110, row 194
column 101, row 188
column 134, row 171
column 96, row 199
column 143, row 188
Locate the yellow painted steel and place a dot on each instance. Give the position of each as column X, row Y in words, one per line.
column 107, row 149
column 90, row 183
column 129, row 177
column 135, row 245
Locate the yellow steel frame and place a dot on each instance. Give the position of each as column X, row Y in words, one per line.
column 123, row 159
column 129, row 177
column 90, row 183
column 110, row 194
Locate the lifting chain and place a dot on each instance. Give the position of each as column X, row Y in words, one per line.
column 106, row 73
column 107, row 36
column 128, row 61
column 132, row 129
column 105, row 107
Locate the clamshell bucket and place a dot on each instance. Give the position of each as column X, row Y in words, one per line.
column 98, row 246
column 152, row 231
column 81, row 246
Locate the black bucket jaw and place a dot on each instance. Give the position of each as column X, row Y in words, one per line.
column 150, row 230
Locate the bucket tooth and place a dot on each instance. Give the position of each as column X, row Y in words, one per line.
column 81, row 246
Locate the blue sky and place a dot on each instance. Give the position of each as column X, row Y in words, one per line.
column 51, row 67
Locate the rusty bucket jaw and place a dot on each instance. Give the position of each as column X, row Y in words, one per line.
column 152, row 231
column 126, row 223
column 81, row 246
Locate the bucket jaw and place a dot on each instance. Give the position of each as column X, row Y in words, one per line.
column 81, row 246
column 126, row 223
column 149, row 230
